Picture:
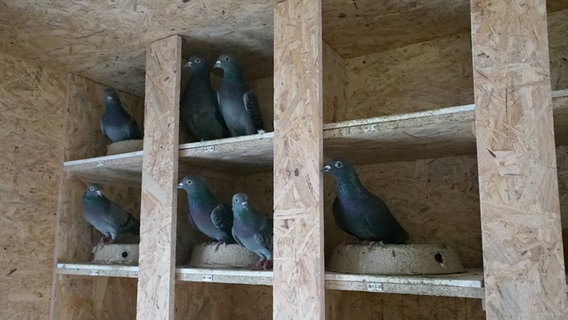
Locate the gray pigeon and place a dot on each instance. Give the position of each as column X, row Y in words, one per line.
column 106, row 216
column 360, row 213
column 253, row 230
column 210, row 216
column 199, row 109
column 116, row 123
column 238, row 104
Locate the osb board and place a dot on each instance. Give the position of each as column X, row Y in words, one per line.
column 365, row 26
column 422, row 76
column 562, row 163
column 82, row 136
column 298, row 149
column 558, row 49
column 363, row 305
column 429, row 75
column 94, row 298
column 214, row 301
column 519, row 198
column 334, row 99
column 435, row 200
column 29, row 170
column 156, row 278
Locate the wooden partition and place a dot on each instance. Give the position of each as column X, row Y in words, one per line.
column 520, row 212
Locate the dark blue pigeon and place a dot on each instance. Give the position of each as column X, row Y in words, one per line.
column 199, row 109
column 106, row 216
column 360, row 213
column 253, row 230
column 210, row 216
column 116, row 124
column 239, row 105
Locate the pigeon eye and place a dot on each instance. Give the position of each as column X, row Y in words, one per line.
column 92, row 188
column 339, row 164
column 198, row 60
column 226, row 58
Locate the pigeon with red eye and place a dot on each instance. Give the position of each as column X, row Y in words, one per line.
column 106, row 216
column 360, row 213
column 253, row 230
column 209, row 215
column 116, row 124
column 199, row 109
column 239, row 105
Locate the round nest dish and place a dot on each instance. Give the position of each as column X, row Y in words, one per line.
column 223, row 256
column 124, row 146
column 395, row 259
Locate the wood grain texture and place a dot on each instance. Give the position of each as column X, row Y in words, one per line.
column 298, row 202
column 520, row 213
column 31, row 100
column 159, row 180
column 333, row 85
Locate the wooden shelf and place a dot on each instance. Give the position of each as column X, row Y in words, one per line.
column 466, row 285
column 429, row 134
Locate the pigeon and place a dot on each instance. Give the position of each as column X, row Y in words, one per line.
column 116, row 124
column 360, row 213
column 253, row 230
column 239, row 105
column 210, row 216
column 199, row 109
column 106, row 216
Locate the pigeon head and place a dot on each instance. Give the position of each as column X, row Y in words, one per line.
column 228, row 64
column 339, row 169
column 240, row 199
column 110, row 95
column 93, row 190
column 189, row 183
column 196, row 62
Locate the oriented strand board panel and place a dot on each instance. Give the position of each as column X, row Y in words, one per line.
column 520, row 212
column 298, row 148
column 156, row 279
column 372, row 306
column 558, row 46
column 417, row 77
column 95, row 298
column 31, row 109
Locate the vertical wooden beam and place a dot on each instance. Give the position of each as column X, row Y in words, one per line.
column 156, row 279
column 298, row 193
column 520, row 213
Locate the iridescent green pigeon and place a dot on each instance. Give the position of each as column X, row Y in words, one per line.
column 359, row 212
column 253, row 230
column 106, row 216
column 199, row 109
column 239, row 105
column 116, row 124
column 209, row 215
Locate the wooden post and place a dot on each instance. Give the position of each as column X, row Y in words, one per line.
column 299, row 286
column 520, row 212
column 156, row 279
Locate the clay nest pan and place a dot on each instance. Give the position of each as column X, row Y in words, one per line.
column 223, row 256
column 398, row 259
column 117, row 254
column 125, row 146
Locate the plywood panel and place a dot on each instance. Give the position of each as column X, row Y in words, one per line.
column 558, row 44
column 520, row 210
column 334, row 82
column 159, row 179
column 31, row 156
column 298, row 204
column 203, row 301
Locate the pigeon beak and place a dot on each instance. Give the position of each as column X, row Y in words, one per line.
column 217, row 64
column 326, row 168
column 187, row 65
column 244, row 203
column 99, row 193
column 180, row 185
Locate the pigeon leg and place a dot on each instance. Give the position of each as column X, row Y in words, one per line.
column 259, row 265
column 217, row 244
column 268, row 265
